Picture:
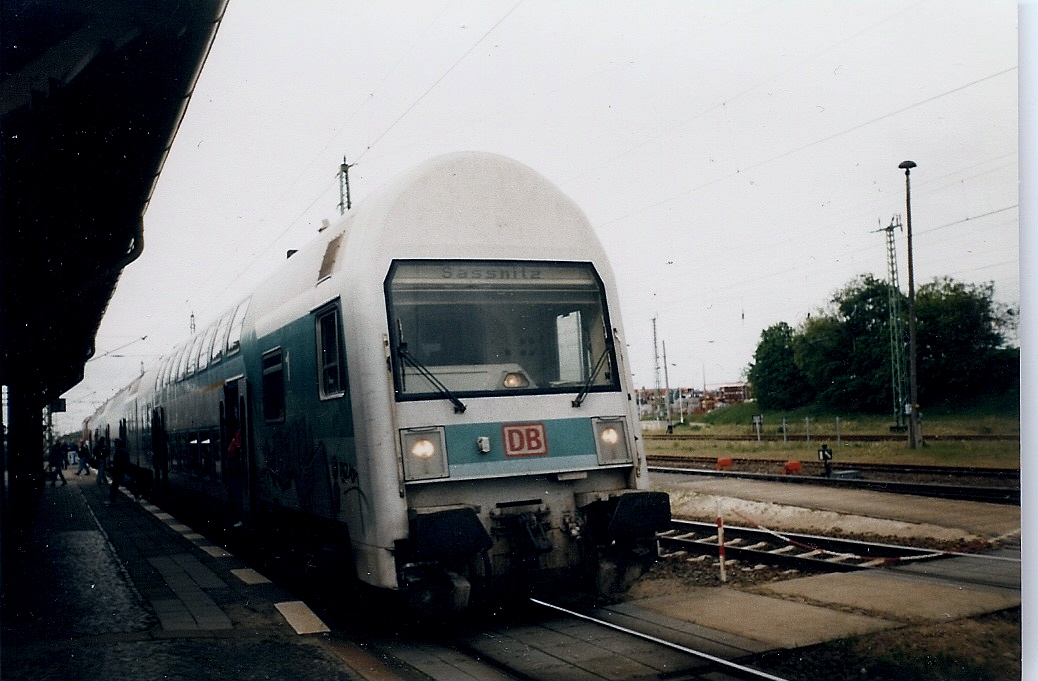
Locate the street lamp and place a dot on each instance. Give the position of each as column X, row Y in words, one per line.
column 915, row 437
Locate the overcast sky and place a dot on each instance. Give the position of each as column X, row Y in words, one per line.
column 736, row 157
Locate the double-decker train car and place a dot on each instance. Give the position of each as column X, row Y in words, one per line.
column 436, row 387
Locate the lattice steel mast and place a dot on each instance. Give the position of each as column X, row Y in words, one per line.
column 656, row 353
column 899, row 379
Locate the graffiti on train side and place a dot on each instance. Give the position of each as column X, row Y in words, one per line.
column 294, row 457
column 345, row 474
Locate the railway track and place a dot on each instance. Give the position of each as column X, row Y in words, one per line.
column 536, row 639
column 856, row 479
column 870, row 469
column 707, row 665
column 785, row 549
column 821, row 437
column 600, row 643
column 516, row 642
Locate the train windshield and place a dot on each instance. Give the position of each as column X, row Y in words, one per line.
column 476, row 328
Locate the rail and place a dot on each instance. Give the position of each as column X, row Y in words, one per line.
column 827, row 436
column 870, row 468
column 787, row 549
column 991, row 495
column 728, row 667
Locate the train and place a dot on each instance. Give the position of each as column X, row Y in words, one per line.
column 435, row 390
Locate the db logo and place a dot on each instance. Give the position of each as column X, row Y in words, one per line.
column 524, row 439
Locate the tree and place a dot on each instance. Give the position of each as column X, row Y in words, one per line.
column 845, row 351
column 962, row 343
column 864, row 316
column 840, row 357
column 778, row 382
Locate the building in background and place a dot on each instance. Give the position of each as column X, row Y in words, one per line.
column 652, row 403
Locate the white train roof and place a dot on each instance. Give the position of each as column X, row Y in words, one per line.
column 476, row 205
column 465, row 205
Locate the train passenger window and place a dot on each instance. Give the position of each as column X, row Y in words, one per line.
column 206, row 349
column 161, row 373
column 171, row 369
column 332, row 368
column 273, row 386
column 221, row 338
column 182, row 362
column 167, row 371
column 234, row 337
column 192, row 355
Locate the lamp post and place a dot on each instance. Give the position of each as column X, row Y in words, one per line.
column 666, row 383
column 915, row 437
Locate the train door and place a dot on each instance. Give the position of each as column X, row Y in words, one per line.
column 160, row 450
column 236, row 438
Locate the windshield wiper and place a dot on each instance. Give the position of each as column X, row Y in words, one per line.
column 444, row 391
column 582, row 395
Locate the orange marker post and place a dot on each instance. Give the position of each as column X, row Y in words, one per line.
column 720, row 547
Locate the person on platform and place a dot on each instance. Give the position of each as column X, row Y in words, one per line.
column 58, row 459
column 101, row 454
column 84, row 460
column 121, row 472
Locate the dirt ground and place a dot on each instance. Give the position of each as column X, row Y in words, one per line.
column 975, row 648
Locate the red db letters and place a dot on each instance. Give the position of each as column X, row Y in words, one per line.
column 524, row 439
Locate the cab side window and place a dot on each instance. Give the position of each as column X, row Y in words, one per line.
column 273, row 386
column 330, row 363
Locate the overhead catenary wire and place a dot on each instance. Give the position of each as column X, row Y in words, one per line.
column 390, row 132
column 435, row 83
column 804, row 147
column 334, row 183
column 640, row 209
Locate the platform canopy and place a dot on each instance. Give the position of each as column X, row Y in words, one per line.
column 91, row 96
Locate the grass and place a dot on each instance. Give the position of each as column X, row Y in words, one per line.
column 939, row 433
column 1002, row 454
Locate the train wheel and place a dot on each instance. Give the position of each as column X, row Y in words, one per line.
column 621, row 565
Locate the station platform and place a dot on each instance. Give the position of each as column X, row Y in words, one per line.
column 792, row 613
column 92, row 591
column 732, row 623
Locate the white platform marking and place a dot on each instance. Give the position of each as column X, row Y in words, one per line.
column 302, row 618
column 250, row 576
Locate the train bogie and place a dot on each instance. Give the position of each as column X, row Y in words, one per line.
column 439, row 381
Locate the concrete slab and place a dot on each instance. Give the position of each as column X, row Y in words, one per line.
column 776, row 622
column 1001, row 568
column 807, row 508
column 301, row 617
column 715, row 642
column 174, row 616
column 216, row 551
column 893, row 596
column 442, row 663
column 203, row 576
column 250, row 576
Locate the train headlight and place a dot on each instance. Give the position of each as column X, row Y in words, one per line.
column 516, row 379
column 423, row 449
column 611, row 440
column 424, row 453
